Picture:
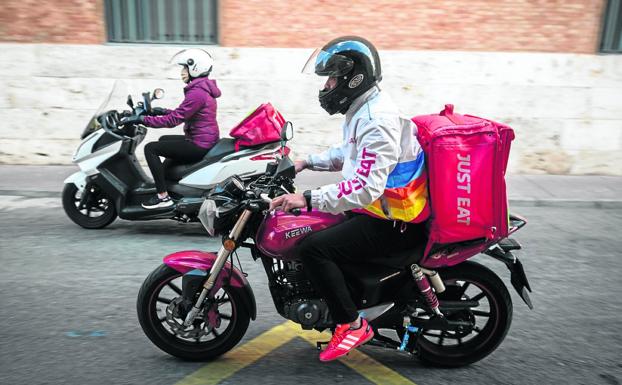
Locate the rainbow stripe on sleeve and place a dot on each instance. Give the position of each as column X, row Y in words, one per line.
column 405, row 196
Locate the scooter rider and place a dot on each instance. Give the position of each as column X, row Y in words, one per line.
column 379, row 152
column 197, row 112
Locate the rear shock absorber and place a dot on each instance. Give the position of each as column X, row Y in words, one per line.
column 424, row 286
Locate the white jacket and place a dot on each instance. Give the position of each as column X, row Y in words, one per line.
column 375, row 139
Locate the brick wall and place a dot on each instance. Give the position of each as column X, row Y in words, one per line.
column 487, row 25
column 52, row 21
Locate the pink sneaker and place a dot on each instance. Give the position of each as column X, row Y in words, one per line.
column 345, row 339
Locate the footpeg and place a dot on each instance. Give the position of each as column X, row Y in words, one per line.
column 320, row 343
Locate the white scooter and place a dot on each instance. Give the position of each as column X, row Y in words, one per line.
column 112, row 183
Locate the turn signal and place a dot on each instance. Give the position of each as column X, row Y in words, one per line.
column 229, row 244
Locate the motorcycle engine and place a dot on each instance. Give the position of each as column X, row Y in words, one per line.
column 309, row 313
column 301, row 304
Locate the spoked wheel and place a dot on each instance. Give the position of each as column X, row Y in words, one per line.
column 94, row 210
column 490, row 320
column 214, row 332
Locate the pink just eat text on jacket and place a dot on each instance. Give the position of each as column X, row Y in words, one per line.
column 197, row 111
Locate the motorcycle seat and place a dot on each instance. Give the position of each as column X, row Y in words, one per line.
column 175, row 171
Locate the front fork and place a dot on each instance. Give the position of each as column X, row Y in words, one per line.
column 87, row 196
column 229, row 245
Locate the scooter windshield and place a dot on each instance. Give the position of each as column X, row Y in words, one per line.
column 115, row 100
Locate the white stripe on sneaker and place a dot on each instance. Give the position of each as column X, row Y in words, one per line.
column 348, row 342
column 351, row 337
column 342, row 346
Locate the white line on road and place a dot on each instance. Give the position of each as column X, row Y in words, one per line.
column 14, row 202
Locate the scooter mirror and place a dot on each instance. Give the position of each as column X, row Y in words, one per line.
column 287, row 132
column 158, row 93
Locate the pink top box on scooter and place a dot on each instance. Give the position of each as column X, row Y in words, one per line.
column 280, row 231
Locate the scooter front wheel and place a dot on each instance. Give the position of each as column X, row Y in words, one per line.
column 215, row 331
column 93, row 211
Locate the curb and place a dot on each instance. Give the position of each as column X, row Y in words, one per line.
column 519, row 202
column 567, row 203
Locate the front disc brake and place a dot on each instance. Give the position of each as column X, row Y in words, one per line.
column 175, row 319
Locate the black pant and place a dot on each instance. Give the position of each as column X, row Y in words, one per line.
column 174, row 147
column 362, row 240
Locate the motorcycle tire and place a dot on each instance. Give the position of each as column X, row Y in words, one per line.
column 108, row 212
column 484, row 342
column 168, row 341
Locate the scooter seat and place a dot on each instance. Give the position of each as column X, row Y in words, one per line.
column 175, row 171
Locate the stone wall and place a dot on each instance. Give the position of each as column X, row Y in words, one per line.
column 566, row 108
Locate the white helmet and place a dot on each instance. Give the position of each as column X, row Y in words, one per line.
column 198, row 61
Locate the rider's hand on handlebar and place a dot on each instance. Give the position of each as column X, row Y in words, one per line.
column 130, row 120
column 300, row 165
column 289, row 202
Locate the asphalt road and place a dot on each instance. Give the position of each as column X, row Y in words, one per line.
column 68, row 306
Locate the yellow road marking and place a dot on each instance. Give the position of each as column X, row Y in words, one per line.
column 245, row 355
column 363, row 364
column 240, row 357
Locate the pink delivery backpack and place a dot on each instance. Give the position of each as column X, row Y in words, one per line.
column 261, row 126
column 466, row 160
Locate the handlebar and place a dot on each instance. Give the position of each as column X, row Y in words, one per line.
column 263, row 203
column 111, row 118
column 110, row 123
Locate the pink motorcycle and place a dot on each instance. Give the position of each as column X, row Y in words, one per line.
column 443, row 309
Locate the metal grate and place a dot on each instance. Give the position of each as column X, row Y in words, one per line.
column 162, row 21
column 612, row 28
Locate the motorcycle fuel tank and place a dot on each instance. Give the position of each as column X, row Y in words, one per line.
column 280, row 232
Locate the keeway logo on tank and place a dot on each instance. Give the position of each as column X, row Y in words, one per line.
column 298, row 232
column 464, row 184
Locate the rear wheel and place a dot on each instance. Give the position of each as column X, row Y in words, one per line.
column 490, row 320
column 94, row 210
column 158, row 312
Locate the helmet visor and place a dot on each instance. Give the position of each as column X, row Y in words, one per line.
column 328, row 64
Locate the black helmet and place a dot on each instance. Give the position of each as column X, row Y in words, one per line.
column 354, row 64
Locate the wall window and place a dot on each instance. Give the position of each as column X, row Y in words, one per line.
column 612, row 27
column 162, row 21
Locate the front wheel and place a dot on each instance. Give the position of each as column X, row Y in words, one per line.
column 213, row 333
column 91, row 209
column 491, row 320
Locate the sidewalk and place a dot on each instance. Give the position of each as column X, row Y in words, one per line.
column 523, row 190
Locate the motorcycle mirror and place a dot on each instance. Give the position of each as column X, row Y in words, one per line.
column 130, row 102
column 158, row 93
column 287, row 132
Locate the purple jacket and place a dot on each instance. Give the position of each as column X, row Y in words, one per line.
column 197, row 111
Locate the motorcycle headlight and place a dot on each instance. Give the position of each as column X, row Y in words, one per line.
column 207, row 214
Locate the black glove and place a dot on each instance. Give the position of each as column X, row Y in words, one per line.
column 155, row 111
column 130, row 120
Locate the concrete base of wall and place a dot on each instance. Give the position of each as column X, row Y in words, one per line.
column 564, row 108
